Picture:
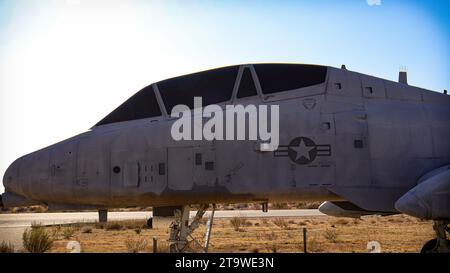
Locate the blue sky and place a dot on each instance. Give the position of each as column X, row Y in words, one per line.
column 66, row 64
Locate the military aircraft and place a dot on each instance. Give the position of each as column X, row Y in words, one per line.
column 363, row 144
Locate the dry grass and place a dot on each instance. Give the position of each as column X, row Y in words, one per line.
column 239, row 222
column 265, row 222
column 37, row 240
column 341, row 221
column 87, row 229
column 68, row 232
column 35, row 224
column 308, row 205
column 114, row 226
column 30, row 209
column 274, row 248
column 279, row 206
column 55, row 231
column 136, row 245
column 122, row 225
column 262, row 235
column 331, row 235
column 163, row 247
column 280, row 222
column 313, row 245
column 138, row 230
column 6, row 247
column 271, row 236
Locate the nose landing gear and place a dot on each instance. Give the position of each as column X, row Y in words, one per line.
column 441, row 244
column 181, row 230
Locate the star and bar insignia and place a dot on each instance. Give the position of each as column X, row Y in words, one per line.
column 302, row 150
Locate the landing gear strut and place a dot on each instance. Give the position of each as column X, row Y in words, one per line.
column 441, row 243
column 181, row 231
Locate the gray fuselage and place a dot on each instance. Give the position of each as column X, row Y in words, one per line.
column 370, row 141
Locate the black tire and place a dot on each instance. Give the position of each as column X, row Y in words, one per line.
column 429, row 247
column 150, row 222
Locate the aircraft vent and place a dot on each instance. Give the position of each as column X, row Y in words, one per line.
column 403, row 76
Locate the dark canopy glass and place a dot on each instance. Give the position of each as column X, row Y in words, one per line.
column 142, row 105
column 284, row 77
column 214, row 86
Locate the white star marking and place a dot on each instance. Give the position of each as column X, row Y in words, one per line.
column 302, row 150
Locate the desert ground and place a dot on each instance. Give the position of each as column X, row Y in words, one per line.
column 397, row 233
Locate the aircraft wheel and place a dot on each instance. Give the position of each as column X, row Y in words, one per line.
column 429, row 247
column 432, row 247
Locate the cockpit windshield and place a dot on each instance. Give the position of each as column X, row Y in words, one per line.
column 142, row 105
column 275, row 78
column 216, row 86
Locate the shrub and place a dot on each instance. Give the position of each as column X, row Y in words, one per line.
column 86, row 230
column 138, row 230
column 36, row 240
column 35, row 224
column 135, row 245
column 237, row 222
column 68, row 232
column 18, row 209
column 279, row 206
column 55, row 231
column 331, row 235
column 113, row 226
column 37, row 209
column 6, row 247
column 281, row 223
column 313, row 245
column 132, row 224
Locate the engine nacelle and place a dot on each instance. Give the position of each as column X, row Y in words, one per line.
column 430, row 199
column 345, row 209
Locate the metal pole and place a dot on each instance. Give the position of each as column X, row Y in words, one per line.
column 209, row 227
column 102, row 215
column 155, row 244
column 305, row 240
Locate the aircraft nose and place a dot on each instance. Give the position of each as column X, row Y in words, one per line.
column 412, row 205
column 10, row 178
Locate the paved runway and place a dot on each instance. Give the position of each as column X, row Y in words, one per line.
column 12, row 225
column 25, row 219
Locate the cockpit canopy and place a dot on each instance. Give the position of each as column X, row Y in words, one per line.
column 216, row 86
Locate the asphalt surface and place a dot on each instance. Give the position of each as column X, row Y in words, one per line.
column 26, row 219
column 12, row 225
